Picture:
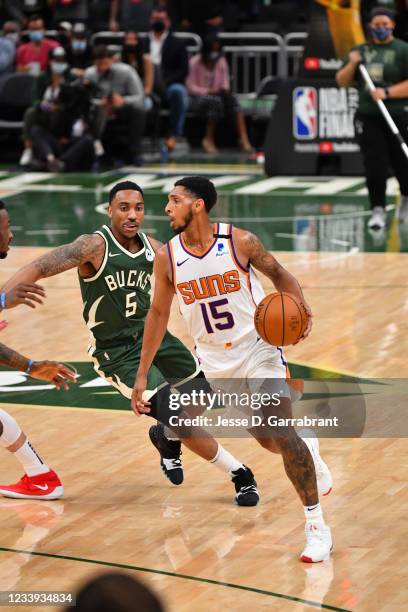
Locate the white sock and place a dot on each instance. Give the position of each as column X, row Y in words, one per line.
column 314, row 514
column 225, row 461
column 26, row 455
column 30, row 460
column 11, row 429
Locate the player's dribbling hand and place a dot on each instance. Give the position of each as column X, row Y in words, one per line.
column 29, row 294
column 139, row 406
column 309, row 322
column 53, row 372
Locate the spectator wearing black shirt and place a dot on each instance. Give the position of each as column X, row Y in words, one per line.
column 57, row 145
column 79, row 52
column 134, row 56
column 170, row 59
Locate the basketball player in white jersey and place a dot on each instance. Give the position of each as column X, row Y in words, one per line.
column 210, row 268
column 39, row 481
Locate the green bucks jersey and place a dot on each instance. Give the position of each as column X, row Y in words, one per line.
column 117, row 298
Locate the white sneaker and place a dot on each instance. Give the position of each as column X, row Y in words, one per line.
column 323, row 475
column 26, row 157
column 377, row 219
column 402, row 212
column 318, row 543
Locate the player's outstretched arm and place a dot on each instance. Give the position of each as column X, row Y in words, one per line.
column 87, row 249
column 50, row 371
column 253, row 251
column 155, row 327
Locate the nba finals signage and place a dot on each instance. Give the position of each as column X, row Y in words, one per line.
column 312, row 125
column 324, row 116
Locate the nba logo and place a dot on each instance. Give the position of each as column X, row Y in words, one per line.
column 305, row 113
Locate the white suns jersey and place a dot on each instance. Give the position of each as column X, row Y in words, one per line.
column 217, row 295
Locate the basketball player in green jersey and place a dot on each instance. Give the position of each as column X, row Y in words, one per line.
column 115, row 265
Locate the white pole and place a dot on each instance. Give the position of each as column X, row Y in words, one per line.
column 384, row 110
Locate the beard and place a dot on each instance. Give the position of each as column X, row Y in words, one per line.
column 187, row 221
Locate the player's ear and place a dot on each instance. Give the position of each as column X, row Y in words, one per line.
column 109, row 211
column 199, row 205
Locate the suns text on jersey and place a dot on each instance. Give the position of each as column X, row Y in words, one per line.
column 209, row 286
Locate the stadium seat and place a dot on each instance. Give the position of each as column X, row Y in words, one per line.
column 16, row 91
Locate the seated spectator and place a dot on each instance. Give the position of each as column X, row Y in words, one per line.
column 79, row 53
column 33, row 57
column 130, row 15
column 208, row 84
column 120, row 101
column 170, row 59
column 132, row 54
column 58, row 135
column 69, row 10
column 8, row 43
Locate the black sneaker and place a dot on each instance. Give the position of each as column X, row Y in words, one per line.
column 170, row 451
column 245, row 486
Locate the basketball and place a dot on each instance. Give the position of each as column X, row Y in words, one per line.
column 281, row 319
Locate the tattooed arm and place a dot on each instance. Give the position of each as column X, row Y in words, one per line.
column 251, row 251
column 50, row 371
column 254, row 253
column 85, row 253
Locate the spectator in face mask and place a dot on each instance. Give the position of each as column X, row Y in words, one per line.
column 8, row 43
column 45, row 93
column 79, row 53
column 133, row 55
column 208, row 84
column 170, row 59
column 33, row 57
column 56, row 145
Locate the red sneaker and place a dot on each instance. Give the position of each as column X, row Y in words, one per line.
column 43, row 486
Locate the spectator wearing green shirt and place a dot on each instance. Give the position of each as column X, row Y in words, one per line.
column 386, row 59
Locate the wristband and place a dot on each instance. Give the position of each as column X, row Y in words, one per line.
column 387, row 92
column 29, row 366
column 3, row 300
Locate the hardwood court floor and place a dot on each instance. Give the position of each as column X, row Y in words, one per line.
column 119, row 509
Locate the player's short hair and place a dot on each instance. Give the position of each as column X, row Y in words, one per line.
column 124, row 186
column 381, row 10
column 201, row 187
column 2, row 205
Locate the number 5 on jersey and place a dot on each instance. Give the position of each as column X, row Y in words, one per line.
column 131, row 304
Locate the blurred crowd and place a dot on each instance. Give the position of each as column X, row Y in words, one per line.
column 92, row 103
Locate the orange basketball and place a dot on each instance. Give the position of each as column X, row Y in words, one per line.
column 281, row 319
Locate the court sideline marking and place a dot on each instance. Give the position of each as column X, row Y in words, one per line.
column 149, row 570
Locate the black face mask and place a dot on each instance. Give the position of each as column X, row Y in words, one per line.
column 158, row 27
